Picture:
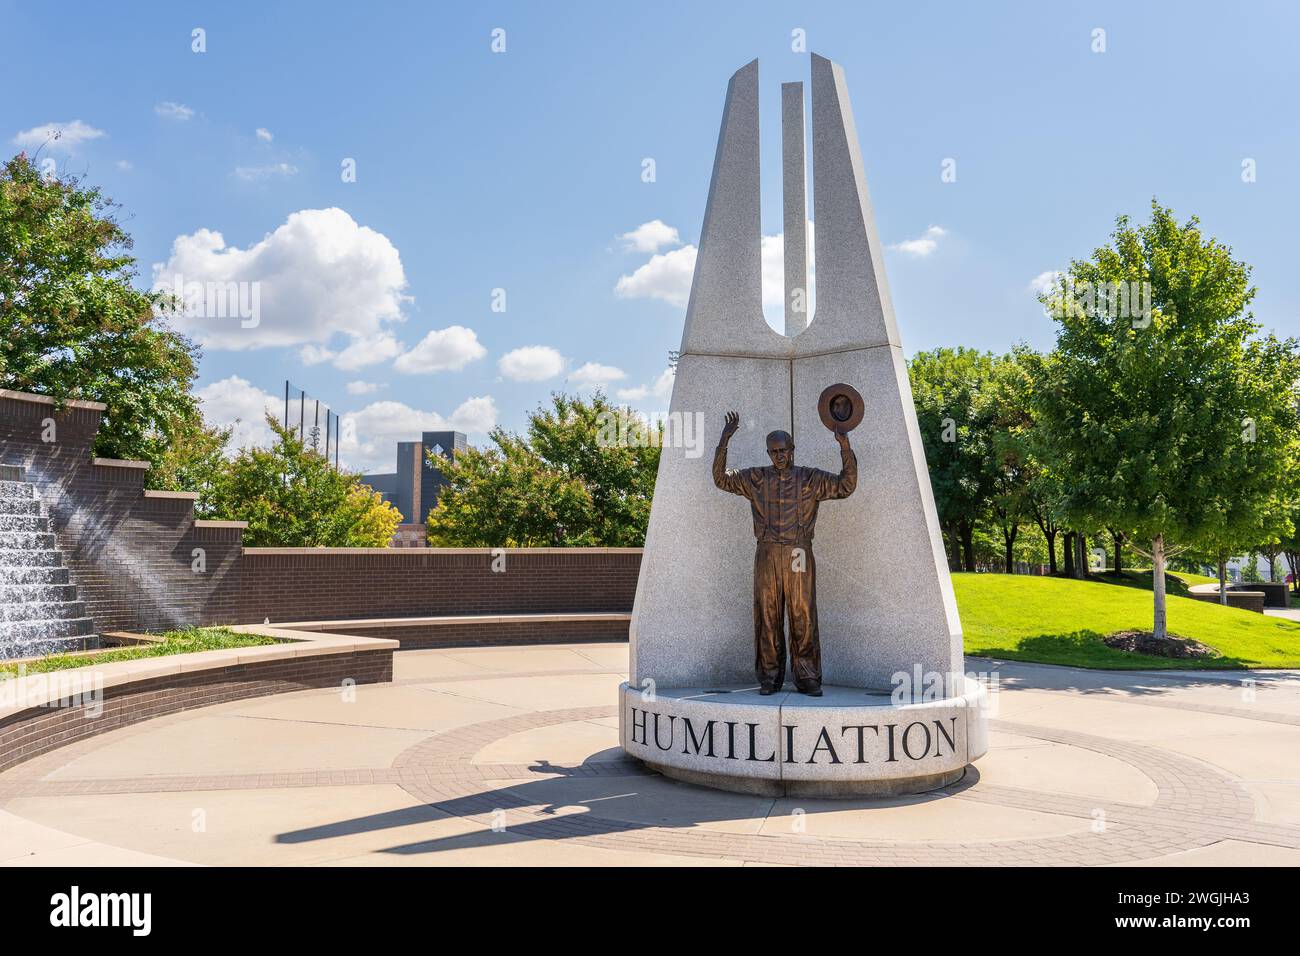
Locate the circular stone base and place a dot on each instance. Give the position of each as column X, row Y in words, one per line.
column 884, row 787
column 848, row 743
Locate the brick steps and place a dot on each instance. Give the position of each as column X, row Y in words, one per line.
column 19, row 490
column 16, row 575
column 22, row 558
column 58, row 609
column 37, row 592
column 28, row 540
column 21, row 631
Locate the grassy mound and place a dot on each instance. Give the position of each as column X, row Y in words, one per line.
column 1062, row 621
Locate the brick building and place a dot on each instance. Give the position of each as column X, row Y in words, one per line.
column 413, row 488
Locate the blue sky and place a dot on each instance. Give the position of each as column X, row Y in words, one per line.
column 521, row 170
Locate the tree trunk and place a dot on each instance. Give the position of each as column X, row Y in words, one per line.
column 968, row 545
column 1081, row 556
column 1158, row 585
column 1119, row 553
column 1051, row 551
column 954, row 548
column 1223, row 582
column 1067, row 549
column 1010, row 540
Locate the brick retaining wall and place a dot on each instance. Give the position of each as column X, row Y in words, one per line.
column 289, row 584
column 1245, row 600
column 415, row 637
column 36, row 730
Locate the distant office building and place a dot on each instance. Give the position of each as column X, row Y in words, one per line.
column 414, row 487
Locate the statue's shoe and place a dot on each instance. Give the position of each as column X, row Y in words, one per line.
column 766, row 690
column 812, row 689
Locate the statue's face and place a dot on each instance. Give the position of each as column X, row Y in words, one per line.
column 781, row 451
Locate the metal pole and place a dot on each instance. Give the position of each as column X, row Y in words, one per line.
column 302, row 413
column 338, row 432
column 286, row 404
column 315, row 427
column 327, row 435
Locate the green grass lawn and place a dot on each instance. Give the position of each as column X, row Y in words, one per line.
column 1062, row 621
column 188, row 641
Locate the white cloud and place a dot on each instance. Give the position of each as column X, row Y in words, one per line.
column 319, row 277
column 125, row 165
column 772, row 256
column 667, row 277
column 593, row 373
column 174, row 111
column 532, row 363
column 661, row 388
column 651, row 236
column 66, row 135
column 367, row 350
column 442, row 350
column 1045, row 283
column 360, row 387
column 314, row 354
column 358, row 353
column 370, row 435
column 237, row 403
column 264, row 134
column 923, row 246
column 251, row 174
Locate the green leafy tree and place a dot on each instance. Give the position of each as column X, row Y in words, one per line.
column 1291, row 542
column 193, row 462
column 582, row 475
column 1009, row 425
column 292, row 497
column 949, row 388
column 72, row 325
column 1159, row 417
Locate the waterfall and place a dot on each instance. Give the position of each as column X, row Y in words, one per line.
column 39, row 610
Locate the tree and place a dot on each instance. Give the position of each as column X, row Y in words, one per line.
column 1009, row 427
column 949, row 388
column 193, row 462
column 1161, row 415
column 292, row 497
column 583, row 475
column 1291, row 543
column 72, row 325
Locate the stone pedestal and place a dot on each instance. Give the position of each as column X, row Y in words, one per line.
column 849, row 742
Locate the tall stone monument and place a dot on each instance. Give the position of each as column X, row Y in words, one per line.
column 898, row 715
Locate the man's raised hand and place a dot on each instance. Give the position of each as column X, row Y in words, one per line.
column 732, row 425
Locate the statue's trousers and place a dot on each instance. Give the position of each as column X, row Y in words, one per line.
column 785, row 581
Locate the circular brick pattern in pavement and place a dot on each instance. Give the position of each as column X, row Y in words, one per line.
column 1196, row 806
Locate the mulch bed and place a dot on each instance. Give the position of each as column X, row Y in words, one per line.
column 1145, row 642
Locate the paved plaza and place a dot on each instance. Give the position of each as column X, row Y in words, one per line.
column 509, row 756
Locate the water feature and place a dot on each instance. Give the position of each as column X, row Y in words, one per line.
column 39, row 610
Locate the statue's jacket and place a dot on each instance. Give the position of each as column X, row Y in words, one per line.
column 785, row 504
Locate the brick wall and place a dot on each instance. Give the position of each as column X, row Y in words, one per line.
column 415, row 637
column 286, row 584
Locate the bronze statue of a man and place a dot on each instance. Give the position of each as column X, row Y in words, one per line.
column 784, row 501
